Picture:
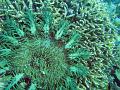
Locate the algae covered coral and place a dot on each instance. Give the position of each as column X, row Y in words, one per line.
column 55, row 44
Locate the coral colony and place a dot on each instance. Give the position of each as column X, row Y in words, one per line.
column 59, row 45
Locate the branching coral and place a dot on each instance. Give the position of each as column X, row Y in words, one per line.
column 39, row 50
column 91, row 19
column 52, row 41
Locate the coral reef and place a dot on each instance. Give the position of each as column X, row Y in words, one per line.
column 56, row 44
column 92, row 20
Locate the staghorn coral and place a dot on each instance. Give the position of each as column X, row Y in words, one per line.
column 85, row 25
column 91, row 19
column 39, row 51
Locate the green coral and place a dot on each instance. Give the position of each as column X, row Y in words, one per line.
column 38, row 61
column 59, row 44
column 29, row 48
column 91, row 19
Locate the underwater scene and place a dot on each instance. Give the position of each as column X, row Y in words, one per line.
column 59, row 44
